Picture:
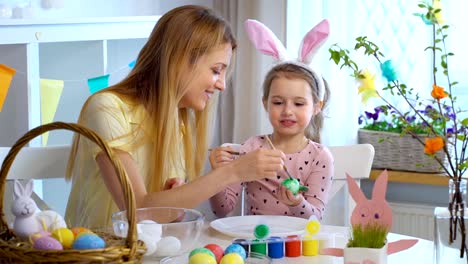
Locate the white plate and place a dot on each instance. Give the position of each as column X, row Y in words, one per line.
column 243, row 226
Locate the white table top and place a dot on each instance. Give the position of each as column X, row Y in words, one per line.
column 422, row 252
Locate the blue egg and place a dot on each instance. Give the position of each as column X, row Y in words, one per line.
column 89, row 241
column 236, row 248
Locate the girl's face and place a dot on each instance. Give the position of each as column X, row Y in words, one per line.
column 290, row 106
column 208, row 76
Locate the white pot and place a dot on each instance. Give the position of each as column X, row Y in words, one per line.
column 365, row 255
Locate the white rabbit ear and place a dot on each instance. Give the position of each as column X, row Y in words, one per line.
column 380, row 187
column 29, row 188
column 313, row 40
column 18, row 190
column 355, row 191
column 265, row 40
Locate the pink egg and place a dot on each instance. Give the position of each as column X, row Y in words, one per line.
column 47, row 243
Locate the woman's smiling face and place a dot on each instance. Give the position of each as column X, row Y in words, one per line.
column 209, row 76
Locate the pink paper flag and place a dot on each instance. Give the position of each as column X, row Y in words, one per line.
column 6, row 75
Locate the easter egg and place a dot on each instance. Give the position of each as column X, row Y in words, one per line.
column 294, row 186
column 35, row 236
column 64, row 236
column 202, row 258
column 151, row 228
column 150, row 243
column 89, row 241
column 47, row 243
column 261, row 231
column 202, row 250
column 232, row 258
column 217, row 251
column 168, row 246
column 236, row 248
column 78, row 230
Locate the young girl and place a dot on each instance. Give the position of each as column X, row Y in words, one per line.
column 294, row 96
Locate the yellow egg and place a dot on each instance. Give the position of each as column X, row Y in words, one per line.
column 64, row 236
column 232, row 258
column 202, row 258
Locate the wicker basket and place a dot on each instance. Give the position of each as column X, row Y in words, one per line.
column 403, row 153
column 118, row 250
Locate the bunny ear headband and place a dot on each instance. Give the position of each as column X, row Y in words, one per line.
column 266, row 42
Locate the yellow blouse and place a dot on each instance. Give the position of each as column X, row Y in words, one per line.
column 90, row 204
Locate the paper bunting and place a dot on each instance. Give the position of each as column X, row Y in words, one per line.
column 51, row 90
column 6, row 75
column 132, row 64
column 98, row 83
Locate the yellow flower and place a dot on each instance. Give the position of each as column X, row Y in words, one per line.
column 433, row 145
column 367, row 86
column 438, row 16
column 438, row 92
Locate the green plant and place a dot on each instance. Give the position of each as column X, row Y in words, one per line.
column 442, row 127
column 369, row 236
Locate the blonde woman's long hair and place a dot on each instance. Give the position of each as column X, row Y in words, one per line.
column 174, row 47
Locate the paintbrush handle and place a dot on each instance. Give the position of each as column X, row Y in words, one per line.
column 273, row 147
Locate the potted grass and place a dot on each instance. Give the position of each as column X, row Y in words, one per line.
column 367, row 243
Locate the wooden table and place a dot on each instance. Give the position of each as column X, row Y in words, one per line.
column 422, row 252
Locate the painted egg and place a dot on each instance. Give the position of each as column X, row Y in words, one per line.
column 150, row 243
column 78, row 230
column 202, row 258
column 47, row 243
column 236, row 248
column 232, row 258
column 202, row 250
column 89, row 241
column 168, row 246
column 35, row 236
column 64, row 236
column 151, row 228
column 217, row 251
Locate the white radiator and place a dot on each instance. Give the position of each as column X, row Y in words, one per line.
column 413, row 220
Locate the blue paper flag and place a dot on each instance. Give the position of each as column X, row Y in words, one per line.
column 98, row 83
column 132, row 64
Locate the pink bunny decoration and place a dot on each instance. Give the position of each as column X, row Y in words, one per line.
column 375, row 210
column 266, row 42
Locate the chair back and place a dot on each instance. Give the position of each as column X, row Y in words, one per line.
column 39, row 163
column 356, row 160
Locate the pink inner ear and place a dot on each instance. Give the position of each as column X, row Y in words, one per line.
column 314, row 39
column 264, row 39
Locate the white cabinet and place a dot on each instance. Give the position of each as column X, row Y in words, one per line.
column 73, row 50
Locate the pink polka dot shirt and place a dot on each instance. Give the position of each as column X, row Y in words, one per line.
column 312, row 167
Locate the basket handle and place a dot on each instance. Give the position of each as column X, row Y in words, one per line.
column 91, row 135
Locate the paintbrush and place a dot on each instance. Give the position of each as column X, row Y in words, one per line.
column 228, row 151
column 273, row 147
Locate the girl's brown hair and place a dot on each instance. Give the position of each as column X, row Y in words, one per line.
column 159, row 80
column 295, row 71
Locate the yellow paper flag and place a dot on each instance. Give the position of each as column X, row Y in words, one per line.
column 51, row 90
column 6, row 75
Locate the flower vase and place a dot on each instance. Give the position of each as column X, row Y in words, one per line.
column 365, row 255
column 444, row 251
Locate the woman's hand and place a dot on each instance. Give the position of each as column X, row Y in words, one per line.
column 258, row 164
column 221, row 156
column 173, row 183
column 287, row 197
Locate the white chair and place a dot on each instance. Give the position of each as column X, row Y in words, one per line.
column 356, row 160
column 37, row 163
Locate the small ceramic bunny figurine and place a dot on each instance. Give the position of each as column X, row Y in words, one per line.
column 375, row 210
column 27, row 220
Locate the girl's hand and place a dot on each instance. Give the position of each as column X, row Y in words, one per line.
column 173, row 183
column 287, row 197
column 258, row 164
column 221, row 156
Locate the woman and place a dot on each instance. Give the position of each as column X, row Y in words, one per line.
column 157, row 121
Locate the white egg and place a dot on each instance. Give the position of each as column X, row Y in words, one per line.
column 150, row 243
column 151, row 228
column 168, row 246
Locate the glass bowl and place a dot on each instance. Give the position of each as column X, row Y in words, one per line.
column 252, row 258
column 166, row 231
